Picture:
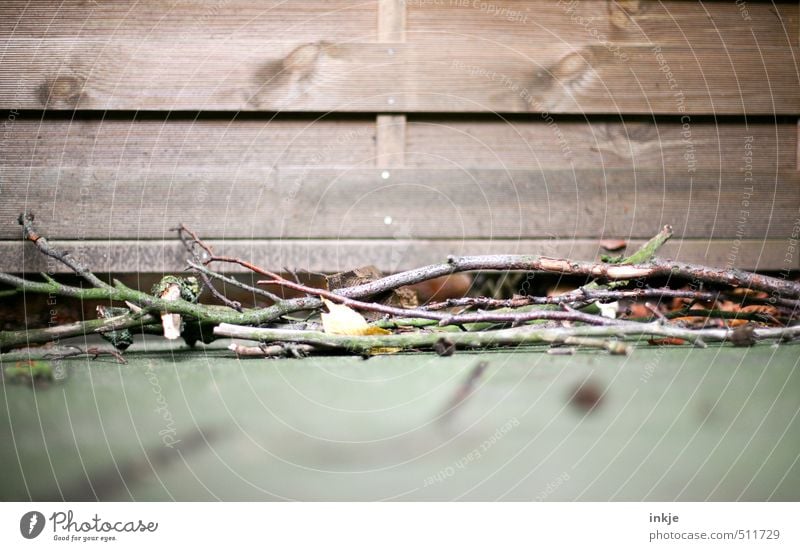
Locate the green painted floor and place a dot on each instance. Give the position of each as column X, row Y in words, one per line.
column 667, row 424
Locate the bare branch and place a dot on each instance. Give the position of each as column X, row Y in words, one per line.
column 578, row 335
column 419, row 340
column 445, row 318
column 29, row 232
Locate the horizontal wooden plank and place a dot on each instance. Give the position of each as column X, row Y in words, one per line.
column 455, row 75
column 335, row 204
column 161, row 256
column 175, row 143
column 668, row 21
column 439, row 141
column 179, row 20
column 242, row 143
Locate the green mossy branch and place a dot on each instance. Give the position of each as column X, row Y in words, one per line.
column 504, row 337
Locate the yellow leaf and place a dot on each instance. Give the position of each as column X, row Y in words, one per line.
column 342, row 320
column 375, row 330
column 383, row 350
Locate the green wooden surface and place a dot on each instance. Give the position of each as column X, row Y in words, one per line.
column 673, row 423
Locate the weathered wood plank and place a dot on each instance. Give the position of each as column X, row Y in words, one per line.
column 565, row 143
column 669, row 21
column 400, row 203
column 179, row 20
column 676, row 22
column 159, row 256
column 457, row 75
column 241, row 142
column 165, row 142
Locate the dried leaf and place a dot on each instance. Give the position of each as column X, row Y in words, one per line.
column 359, row 276
column 343, row 320
column 763, row 309
column 666, row 341
column 375, row 330
column 745, row 292
column 639, row 310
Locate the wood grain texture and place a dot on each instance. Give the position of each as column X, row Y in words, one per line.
column 159, row 256
column 563, row 143
column 391, row 20
column 391, row 140
column 709, row 23
column 431, row 142
column 456, row 75
column 670, row 21
column 229, row 142
column 402, row 204
column 179, row 20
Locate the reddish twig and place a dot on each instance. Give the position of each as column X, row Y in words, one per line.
column 96, row 352
column 574, row 296
column 656, row 312
column 201, row 262
column 444, row 318
column 465, row 389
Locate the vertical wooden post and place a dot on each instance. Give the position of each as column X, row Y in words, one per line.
column 391, row 21
column 390, row 130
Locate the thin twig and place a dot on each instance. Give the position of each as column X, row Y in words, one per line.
column 655, row 311
column 611, row 272
column 59, row 353
column 12, row 339
column 444, row 318
column 96, row 352
column 779, row 289
column 189, row 245
column 234, row 282
column 465, row 389
column 264, row 351
column 573, row 296
column 29, row 232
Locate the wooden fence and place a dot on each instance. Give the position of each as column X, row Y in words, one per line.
column 326, row 134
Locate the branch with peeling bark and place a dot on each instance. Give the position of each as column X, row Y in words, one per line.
column 413, row 341
column 505, row 337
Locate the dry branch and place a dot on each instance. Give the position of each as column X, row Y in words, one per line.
column 444, row 319
column 595, row 331
column 505, row 337
column 419, row 340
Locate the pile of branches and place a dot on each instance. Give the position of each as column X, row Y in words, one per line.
column 767, row 307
